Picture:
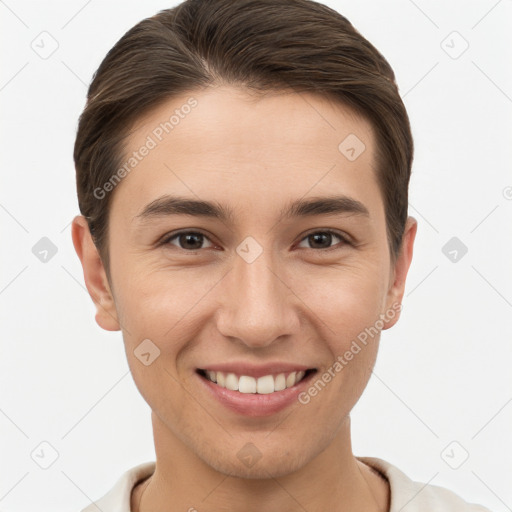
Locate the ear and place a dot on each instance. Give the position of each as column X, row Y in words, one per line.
column 399, row 275
column 94, row 275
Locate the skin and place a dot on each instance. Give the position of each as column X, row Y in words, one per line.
column 296, row 302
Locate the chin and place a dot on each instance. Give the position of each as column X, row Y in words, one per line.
column 259, row 459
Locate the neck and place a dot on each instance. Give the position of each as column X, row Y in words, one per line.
column 334, row 480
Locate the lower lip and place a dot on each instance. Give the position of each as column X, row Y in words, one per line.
column 254, row 404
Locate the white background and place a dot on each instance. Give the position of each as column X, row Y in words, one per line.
column 443, row 373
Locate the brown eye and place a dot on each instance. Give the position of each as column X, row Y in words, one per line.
column 187, row 240
column 323, row 239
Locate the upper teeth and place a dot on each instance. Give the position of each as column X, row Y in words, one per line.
column 262, row 385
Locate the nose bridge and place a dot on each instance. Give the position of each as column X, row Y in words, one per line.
column 256, row 308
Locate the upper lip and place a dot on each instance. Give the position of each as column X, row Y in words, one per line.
column 253, row 370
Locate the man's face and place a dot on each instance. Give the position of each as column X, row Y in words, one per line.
column 263, row 291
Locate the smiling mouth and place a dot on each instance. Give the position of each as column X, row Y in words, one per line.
column 264, row 385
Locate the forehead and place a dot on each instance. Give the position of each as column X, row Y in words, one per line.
column 231, row 145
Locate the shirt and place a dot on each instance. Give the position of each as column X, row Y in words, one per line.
column 406, row 495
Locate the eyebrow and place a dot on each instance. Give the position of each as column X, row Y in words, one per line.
column 168, row 205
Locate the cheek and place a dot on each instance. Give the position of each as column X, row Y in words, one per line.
column 158, row 302
column 158, row 321
column 166, row 307
column 347, row 311
column 344, row 300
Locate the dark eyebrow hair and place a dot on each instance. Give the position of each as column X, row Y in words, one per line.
column 172, row 205
column 324, row 206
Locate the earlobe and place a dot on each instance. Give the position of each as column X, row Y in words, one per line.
column 94, row 275
column 401, row 268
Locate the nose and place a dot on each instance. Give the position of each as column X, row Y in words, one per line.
column 257, row 306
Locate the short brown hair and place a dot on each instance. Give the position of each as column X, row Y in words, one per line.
column 263, row 45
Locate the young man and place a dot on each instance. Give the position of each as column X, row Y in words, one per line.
column 242, row 171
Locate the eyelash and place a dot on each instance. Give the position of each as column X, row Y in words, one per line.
column 344, row 239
